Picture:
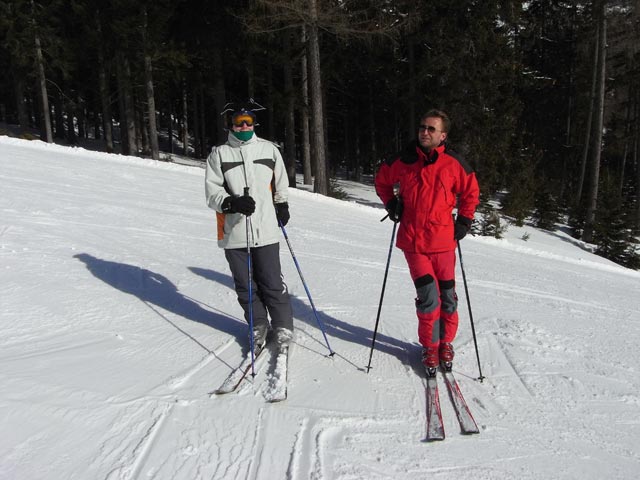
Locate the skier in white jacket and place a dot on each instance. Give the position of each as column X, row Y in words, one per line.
column 246, row 178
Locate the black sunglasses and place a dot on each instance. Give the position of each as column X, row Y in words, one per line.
column 430, row 128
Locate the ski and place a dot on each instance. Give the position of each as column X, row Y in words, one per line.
column 435, row 427
column 277, row 388
column 237, row 375
column 468, row 425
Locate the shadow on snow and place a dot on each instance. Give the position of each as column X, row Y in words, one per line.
column 156, row 290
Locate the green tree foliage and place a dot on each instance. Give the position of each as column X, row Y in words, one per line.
column 489, row 223
column 548, row 212
column 613, row 235
column 518, row 203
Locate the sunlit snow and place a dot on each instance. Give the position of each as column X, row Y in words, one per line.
column 119, row 319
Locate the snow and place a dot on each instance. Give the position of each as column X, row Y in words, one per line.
column 119, row 320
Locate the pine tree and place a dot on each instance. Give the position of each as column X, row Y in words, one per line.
column 612, row 232
column 519, row 201
column 490, row 224
column 547, row 211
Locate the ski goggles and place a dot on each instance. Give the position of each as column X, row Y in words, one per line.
column 240, row 118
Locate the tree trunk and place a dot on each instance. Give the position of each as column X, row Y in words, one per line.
column 185, row 121
column 372, row 129
column 169, row 120
column 71, row 127
column 636, row 159
column 105, row 100
column 127, row 114
column 358, row 155
column 58, row 115
column 151, row 101
column 81, row 112
column 290, row 134
column 143, row 132
column 589, row 125
column 304, row 118
column 197, row 132
column 45, row 127
column 321, row 184
column 592, row 198
column 21, row 107
column 412, row 120
column 271, row 124
column 203, row 124
column 220, row 98
column 251, row 81
column 625, row 151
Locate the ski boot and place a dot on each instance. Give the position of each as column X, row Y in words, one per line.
column 446, row 356
column 259, row 336
column 283, row 337
column 430, row 360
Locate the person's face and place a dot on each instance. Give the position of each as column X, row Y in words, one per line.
column 430, row 133
column 243, row 123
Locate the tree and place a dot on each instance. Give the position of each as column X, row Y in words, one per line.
column 27, row 26
column 600, row 66
column 366, row 18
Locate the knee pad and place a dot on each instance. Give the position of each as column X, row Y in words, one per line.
column 427, row 294
column 448, row 296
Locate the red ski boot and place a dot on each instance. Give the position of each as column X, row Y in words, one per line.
column 446, row 356
column 430, row 360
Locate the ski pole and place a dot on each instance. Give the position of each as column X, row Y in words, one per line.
column 384, row 283
column 315, row 312
column 473, row 329
column 250, row 272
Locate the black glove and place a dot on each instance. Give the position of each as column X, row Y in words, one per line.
column 394, row 209
column 245, row 205
column 461, row 227
column 282, row 213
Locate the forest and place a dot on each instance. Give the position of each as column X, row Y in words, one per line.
column 543, row 94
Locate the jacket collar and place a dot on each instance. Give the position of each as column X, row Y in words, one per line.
column 429, row 157
column 233, row 141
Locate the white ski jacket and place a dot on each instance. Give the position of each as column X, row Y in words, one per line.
column 231, row 167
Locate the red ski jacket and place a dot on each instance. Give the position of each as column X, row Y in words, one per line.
column 429, row 186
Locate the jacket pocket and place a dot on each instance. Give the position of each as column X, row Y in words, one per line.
column 444, row 200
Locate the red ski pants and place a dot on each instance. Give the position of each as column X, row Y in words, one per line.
column 433, row 275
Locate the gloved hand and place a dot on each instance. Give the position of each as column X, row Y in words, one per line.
column 282, row 213
column 394, row 209
column 461, row 227
column 245, row 205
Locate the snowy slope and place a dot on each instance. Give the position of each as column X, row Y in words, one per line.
column 119, row 319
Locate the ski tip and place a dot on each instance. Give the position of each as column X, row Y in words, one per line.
column 433, row 439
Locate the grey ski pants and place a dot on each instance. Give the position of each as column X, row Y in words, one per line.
column 269, row 292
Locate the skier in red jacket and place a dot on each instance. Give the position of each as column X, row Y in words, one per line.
column 431, row 179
